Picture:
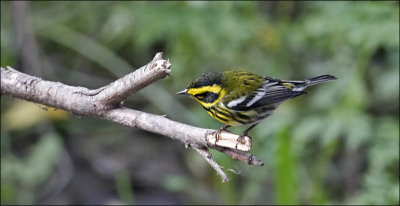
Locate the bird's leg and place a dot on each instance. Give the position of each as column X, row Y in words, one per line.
column 241, row 137
column 219, row 131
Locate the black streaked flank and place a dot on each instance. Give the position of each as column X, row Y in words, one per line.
column 243, row 119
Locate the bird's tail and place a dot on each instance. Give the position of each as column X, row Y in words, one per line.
column 301, row 85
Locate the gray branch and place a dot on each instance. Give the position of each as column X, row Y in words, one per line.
column 105, row 103
column 203, row 151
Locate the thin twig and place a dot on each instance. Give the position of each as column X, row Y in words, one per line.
column 203, row 151
column 240, row 155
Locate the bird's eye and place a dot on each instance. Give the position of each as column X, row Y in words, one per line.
column 199, row 96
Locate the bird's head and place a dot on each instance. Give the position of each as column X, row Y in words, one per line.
column 207, row 88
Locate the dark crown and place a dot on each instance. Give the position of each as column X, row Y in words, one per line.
column 206, row 79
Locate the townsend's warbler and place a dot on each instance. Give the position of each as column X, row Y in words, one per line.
column 243, row 98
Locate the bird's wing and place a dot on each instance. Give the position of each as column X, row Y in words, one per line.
column 270, row 92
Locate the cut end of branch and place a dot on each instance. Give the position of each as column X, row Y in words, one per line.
column 158, row 56
column 253, row 160
column 229, row 140
column 158, row 63
column 7, row 68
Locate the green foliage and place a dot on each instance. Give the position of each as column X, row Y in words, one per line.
column 286, row 178
column 20, row 177
column 337, row 145
column 124, row 187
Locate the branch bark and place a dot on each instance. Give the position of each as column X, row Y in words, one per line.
column 106, row 103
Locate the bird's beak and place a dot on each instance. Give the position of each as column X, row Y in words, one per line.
column 183, row 92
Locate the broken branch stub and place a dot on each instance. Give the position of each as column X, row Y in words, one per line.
column 229, row 140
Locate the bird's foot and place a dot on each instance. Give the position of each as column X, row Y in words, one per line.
column 219, row 131
column 241, row 139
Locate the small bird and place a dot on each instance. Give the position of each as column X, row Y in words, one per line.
column 243, row 98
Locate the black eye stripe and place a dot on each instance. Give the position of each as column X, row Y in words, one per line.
column 208, row 97
column 205, row 94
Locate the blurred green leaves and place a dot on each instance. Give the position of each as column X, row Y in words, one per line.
column 20, row 177
column 124, row 187
column 286, row 176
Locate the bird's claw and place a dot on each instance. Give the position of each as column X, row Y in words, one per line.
column 241, row 140
column 218, row 133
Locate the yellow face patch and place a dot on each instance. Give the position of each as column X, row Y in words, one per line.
column 214, row 89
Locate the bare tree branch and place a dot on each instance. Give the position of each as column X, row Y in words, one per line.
column 203, row 151
column 119, row 90
column 105, row 103
column 239, row 155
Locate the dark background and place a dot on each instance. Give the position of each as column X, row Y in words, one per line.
column 337, row 145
